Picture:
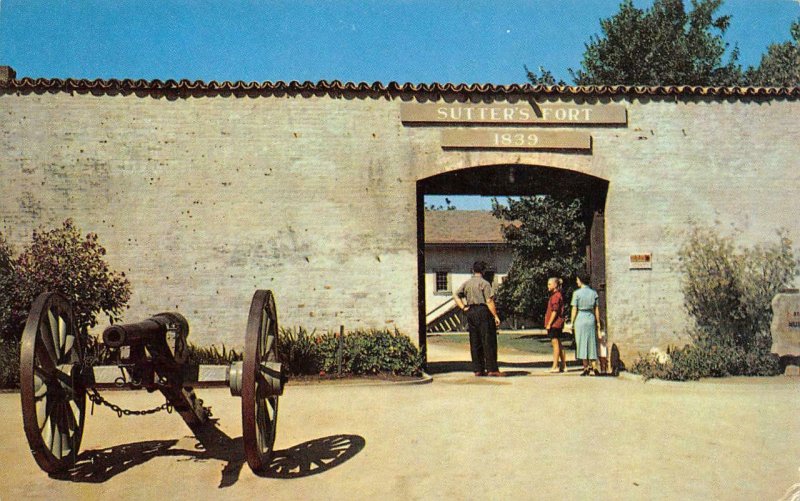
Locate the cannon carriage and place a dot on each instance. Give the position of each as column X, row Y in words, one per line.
column 57, row 377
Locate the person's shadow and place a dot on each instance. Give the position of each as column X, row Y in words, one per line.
column 308, row 458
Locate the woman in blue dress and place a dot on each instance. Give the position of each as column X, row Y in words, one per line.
column 585, row 324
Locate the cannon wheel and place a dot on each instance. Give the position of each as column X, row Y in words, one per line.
column 53, row 397
column 259, row 409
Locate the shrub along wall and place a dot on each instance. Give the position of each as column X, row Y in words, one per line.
column 360, row 352
column 728, row 292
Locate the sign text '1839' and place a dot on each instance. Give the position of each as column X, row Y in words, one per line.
column 532, row 139
column 515, row 139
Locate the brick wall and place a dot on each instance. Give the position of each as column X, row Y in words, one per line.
column 201, row 200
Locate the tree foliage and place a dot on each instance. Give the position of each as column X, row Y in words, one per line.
column 547, row 236
column 448, row 205
column 780, row 65
column 60, row 260
column 543, row 77
column 662, row 45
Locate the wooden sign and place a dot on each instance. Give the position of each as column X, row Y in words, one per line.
column 514, row 113
column 641, row 261
column 793, row 319
column 531, row 139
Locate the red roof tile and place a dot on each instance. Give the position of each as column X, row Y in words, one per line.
column 462, row 227
column 186, row 88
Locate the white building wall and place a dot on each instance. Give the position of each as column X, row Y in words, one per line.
column 458, row 260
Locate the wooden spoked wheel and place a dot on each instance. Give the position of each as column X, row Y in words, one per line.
column 53, row 397
column 261, row 381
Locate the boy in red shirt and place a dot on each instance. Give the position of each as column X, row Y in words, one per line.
column 554, row 323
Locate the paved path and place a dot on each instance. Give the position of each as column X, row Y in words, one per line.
column 460, row 437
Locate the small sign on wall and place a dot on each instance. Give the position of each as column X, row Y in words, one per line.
column 642, row 261
column 793, row 319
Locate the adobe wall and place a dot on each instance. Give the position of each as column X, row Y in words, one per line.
column 729, row 163
column 201, row 200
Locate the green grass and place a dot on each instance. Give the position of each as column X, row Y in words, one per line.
column 528, row 343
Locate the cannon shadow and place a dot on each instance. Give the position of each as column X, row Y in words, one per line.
column 305, row 459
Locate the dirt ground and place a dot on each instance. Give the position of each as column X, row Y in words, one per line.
column 459, row 437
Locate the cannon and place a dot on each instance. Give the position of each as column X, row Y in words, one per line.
column 56, row 376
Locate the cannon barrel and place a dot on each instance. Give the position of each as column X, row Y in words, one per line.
column 147, row 331
column 130, row 334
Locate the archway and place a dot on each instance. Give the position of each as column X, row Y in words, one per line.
column 518, row 180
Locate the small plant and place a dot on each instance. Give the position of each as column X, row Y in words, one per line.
column 59, row 260
column 212, row 355
column 729, row 292
column 298, row 351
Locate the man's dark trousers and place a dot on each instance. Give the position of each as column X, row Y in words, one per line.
column 482, row 338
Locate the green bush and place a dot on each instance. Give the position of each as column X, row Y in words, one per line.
column 8, row 327
column 363, row 352
column 728, row 293
column 61, row 260
column 9, row 363
column 693, row 362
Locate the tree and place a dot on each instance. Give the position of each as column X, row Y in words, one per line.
column 662, row 45
column 447, row 206
column 780, row 66
column 545, row 78
column 547, row 236
column 61, row 260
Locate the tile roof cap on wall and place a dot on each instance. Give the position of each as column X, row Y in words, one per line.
column 185, row 88
column 463, row 227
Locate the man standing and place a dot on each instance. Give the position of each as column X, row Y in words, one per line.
column 478, row 304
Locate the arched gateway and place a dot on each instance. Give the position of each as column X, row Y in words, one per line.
column 204, row 192
column 519, row 180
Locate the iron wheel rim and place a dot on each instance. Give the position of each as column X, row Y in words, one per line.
column 259, row 410
column 53, row 400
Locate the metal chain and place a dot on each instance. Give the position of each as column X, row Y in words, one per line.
column 96, row 398
column 92, row 358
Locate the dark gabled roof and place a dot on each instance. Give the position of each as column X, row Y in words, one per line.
column 185, row 88
column 463, row 227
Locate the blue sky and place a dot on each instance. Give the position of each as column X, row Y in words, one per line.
column 376, row 40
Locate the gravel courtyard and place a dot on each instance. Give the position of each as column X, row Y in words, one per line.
column 459, row 437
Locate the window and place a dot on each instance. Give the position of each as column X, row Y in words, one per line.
column 442, row 281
